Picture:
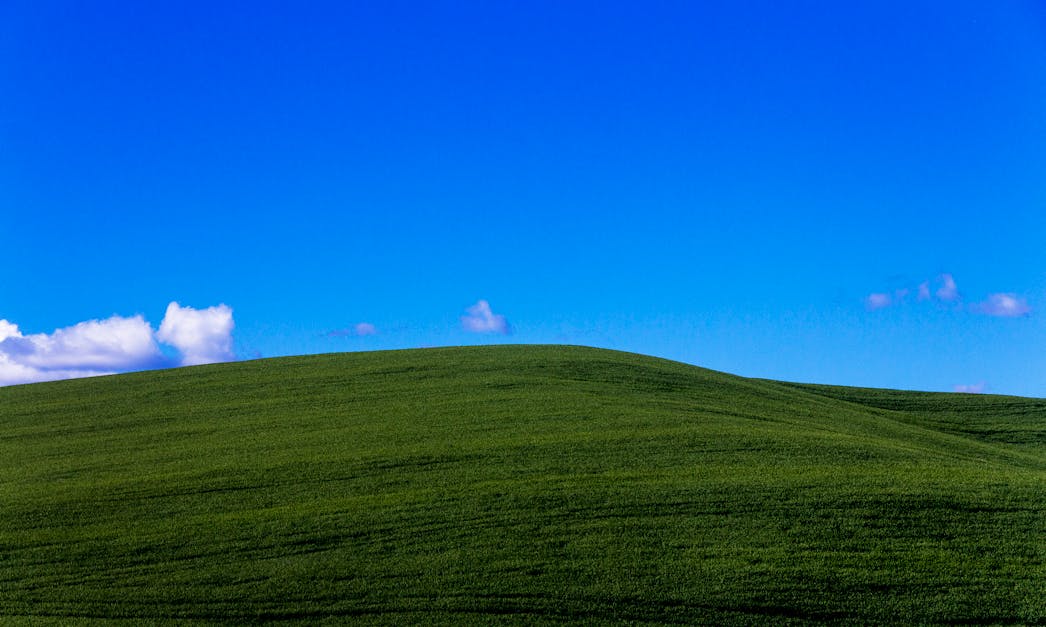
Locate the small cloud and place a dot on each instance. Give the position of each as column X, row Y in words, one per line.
column 972, row 388
column 360, row 329
column 481, row 319
column 878, row 301
column 1003, row 305
column 203, row 336
column 948, row 291
column 365, row 328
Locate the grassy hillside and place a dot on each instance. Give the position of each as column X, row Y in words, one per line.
column 536, row 484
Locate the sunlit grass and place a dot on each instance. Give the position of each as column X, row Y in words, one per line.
column 515, row 483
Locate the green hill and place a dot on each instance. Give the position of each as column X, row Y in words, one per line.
column 515, row 484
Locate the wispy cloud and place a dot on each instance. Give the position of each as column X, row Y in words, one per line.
column 948, row 291
column 115, row 344
column 878, row 300
column 971, row 388
column 1003, row 305
column 481, row 319
column 999, row 304
column 360, row 329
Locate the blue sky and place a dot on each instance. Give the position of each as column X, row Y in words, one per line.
column 774, row 189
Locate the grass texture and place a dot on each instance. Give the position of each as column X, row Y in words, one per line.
column 514, row 484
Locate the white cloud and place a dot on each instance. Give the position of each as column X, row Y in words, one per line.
column 8, row 329
column 112, row 344
column 481, row 319
column 948, row 291
column 203, row 336
column 12, row 373
column 1003, row 305
column 878, row 301
column 924, row 290
column 86, row 349
column 972, row 388
column 116, row 344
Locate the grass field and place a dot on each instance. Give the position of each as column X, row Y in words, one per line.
column 515, row 484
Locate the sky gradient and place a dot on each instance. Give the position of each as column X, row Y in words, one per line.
column 797, row 190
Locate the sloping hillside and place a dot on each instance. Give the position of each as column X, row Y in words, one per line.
column 515, row 483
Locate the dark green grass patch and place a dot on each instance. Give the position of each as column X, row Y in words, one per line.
column 515, row 484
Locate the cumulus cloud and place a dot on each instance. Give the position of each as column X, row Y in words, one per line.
column 924, row 291
column 112, row 344
column 202, row 336
column 1003, row 305
column 481, row 319
column 948, row 291
column 8, row 329
column 360, row 329
column 12, row 373
column 971, row 388
column 89, row 348
column 116, row 344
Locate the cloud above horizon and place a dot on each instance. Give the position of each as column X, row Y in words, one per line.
column 972, row 388
column 115, row 344
column 948, row 291
column 90, row 348
column 481, row 319
column 104, row 345
column 202, row 336
column 1001, row 305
